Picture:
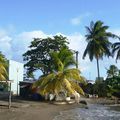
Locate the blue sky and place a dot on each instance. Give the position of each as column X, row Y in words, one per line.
column 22, row 20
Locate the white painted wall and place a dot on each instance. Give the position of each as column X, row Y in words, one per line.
column 15, row 74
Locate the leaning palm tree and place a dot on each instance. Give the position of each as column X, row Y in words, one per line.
column 62, row 76
column 116, row 49
column 98, row 42
column 3, row 68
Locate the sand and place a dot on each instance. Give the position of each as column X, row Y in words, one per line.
column 30, row 110
column 36, row 110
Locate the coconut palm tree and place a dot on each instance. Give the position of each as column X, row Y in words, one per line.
column 98, row 42
column 3, row 68
column 62, row 77
column 116, row 49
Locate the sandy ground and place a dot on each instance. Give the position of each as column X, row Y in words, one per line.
column 29, row 110
column 36, row 110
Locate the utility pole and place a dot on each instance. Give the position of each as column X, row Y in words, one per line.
column 76, row 52
column 17, row 81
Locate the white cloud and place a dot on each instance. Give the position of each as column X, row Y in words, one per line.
column 77, row 43
column 78, row 19
column 14, row 46
column 5, row 43
column 116, row 31
column 21, row 42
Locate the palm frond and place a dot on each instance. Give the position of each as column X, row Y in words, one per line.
column 116, row 49
column 77, row 88
column 68, row 86
column 58, row 65
column 44, row 80
column 74, row 75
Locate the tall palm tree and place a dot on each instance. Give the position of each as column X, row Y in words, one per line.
column 98, row 42
column 116, row 49
column 3, row 68
column 62, row 77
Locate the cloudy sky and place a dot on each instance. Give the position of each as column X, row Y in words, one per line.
column 23, row 20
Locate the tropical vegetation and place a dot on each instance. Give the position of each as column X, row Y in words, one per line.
column 38, row 55
column 108, row 87
column 113, row 81
column 3, row 72
column 3, row 68
column 62, row 77
column 54, row 58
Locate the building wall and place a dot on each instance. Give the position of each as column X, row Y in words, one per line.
column 15, row 74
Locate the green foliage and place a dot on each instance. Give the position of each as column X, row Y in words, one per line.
column 3, row 67
column 112, row 71
column 108, row 87
column 38, row 56
column 62, row 78
column 62, row 59
column 113, row 80
column 88, row 88
column 100, row 88
column 4, row 86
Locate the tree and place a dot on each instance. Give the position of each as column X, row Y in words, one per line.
column 100, row 88
column 38, row 55
column 89, row 88
column 112, row 71
column 3, row 68
column 62, row 77
column 98, row 42
column 116, row 49
column 113, row 81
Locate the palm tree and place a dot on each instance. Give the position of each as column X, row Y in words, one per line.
column 112, row 72
column 3, row 68
column 116, row 49
column 98, row 42
column 62, row 77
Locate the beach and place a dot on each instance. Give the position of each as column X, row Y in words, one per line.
column 29, row 110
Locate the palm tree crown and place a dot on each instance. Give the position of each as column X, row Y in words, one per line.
column 61, row 78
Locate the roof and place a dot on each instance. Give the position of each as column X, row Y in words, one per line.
column 8, row 81
column 27, row 81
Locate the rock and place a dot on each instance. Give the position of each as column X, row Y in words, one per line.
column 86, row 107
column 83, row 102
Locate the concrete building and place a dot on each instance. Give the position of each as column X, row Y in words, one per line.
column 15, row 74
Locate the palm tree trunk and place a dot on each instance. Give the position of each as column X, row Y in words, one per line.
column 98, row 68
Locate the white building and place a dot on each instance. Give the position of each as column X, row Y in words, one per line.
column 15, row 74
